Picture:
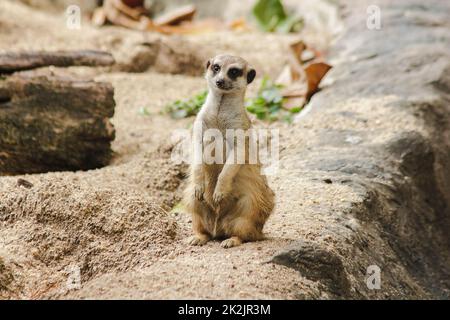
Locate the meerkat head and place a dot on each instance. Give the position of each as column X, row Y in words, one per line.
column 228, row 74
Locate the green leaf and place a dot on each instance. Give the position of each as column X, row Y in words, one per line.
column 295, row 110
column 251, row 109
column 269, row 13
column 261, row 115
column 143, row 111
column 290, row 24
column 187, row 108
column 268, row 103
column 274, row 108
column 271, row 16
column 273, row 117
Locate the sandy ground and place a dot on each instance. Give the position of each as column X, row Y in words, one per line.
column 116, row 224
column 140, row 178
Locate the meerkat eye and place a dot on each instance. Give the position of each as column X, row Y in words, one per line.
column 216, row 68
column 233, row 73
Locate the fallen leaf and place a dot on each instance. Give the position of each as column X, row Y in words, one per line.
column 239, row 24
column 295, row 62
column 130, row 14
column 187, row 27
column 132, row 8
column 134, row 3
column 99, row 17
column 297, row 49
column 118, row 13
column 175, row 17
column 314, row 73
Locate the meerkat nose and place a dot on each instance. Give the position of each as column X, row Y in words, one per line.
column 220, row 82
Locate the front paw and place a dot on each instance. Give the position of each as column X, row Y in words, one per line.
column 219, row 194
column 199, row 190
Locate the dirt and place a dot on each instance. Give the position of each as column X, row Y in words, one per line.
column 116, row 226
column 116, row 221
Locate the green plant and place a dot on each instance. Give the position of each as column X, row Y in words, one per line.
column 268, row 103
column 143, row 111
column 186, row 108
column 271, row 17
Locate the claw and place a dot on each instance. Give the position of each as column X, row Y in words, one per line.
column 199, row 190
column 218, row 197
column 220, row 193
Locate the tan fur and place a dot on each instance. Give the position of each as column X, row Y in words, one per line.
column 227, row 201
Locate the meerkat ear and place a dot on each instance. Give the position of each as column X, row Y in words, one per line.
column 251, row 75
column 208, row 63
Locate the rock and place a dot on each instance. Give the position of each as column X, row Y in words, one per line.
column 24, row 183
column 6, row 279
column 19, row 61
column 398, row 169
column 68, row 116
column 316, row 263
column 165, row 55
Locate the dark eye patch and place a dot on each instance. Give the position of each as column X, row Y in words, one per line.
column 215, row 68
column 234, row 73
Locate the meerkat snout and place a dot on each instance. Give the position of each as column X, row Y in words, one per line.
column 228, row 73
column 221, row 84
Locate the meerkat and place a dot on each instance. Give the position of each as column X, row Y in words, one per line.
column 228, row 201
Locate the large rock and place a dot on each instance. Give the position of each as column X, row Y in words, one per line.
column 54, row 123
column 392, row 86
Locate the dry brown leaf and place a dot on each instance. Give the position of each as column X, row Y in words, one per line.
column 130, row 15
column 175, row 17
column 297, row 49
column 300, row 82
column 99, row 17
column 197, row 27
column 239, row 25
column 118, row 13
column 134, row 3
column 314, row 73
column 132, row 8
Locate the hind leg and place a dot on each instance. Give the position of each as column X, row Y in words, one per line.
column 200, row 213
column 244, row 224
column 231, row 242
column 242, row 230
column 201, row 235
